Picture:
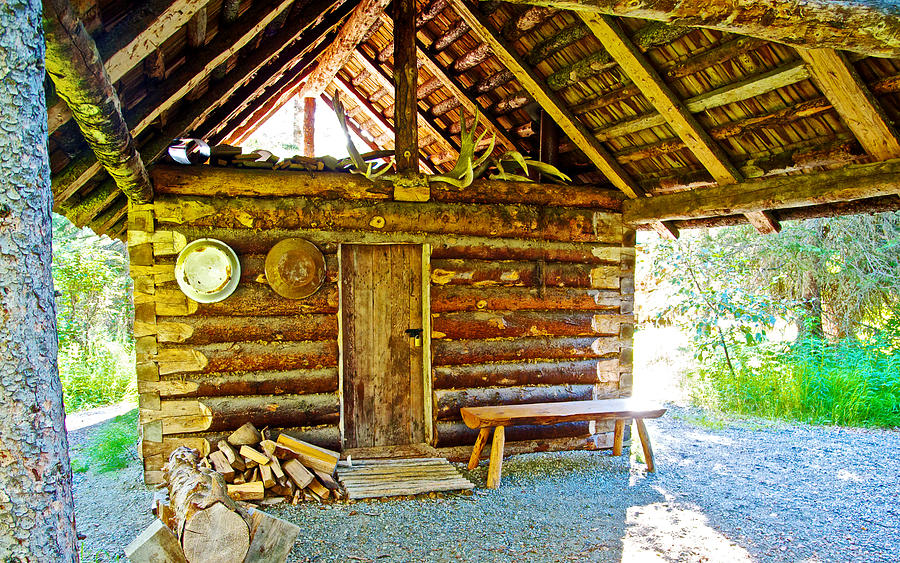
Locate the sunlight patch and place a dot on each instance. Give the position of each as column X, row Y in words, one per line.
column 662, row 531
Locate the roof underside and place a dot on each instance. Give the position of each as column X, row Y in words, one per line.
column 757, row 107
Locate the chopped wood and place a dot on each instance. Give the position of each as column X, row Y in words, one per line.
column 319, row 489
column 266, row 476
column 327, row 480
column 248, row 491
column 251, row 454
column 273, row 538
column 233, row 458
column 220, row 464
column 245, row 435
column 155, row 544
column 310, row 455
column 300, row 475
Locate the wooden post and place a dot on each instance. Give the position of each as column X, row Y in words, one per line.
column 618, row 436
column 548, row 150
column 479, row 447
column 496, row 467
column 406, row 73
column 645, row 444
column 309, row 127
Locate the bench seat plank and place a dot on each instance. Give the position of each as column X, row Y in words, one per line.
column 553, row 413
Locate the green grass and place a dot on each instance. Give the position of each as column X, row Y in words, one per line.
column 96, row 376
column 113, row 447
column 849, row 383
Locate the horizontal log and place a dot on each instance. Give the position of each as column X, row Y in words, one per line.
column 196, row 329
column 513, row 273
column 456, row 352
column 245, row 241
column 224, row 181
column 465, row 298
column 458, row 434
column 260, row 299
column 249, row 356
column 513, row 374
column 448, row 402
column 772, row 193
column 501, row 221
column 215, row 414
column 508, row 324
column 595, row 442
column 294, row 382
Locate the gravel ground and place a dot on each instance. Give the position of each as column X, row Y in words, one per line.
column 733, row 490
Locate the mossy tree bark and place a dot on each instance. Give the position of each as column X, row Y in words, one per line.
column 75, row 66
column 37, row 521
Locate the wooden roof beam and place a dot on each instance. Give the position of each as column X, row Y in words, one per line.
column 849, row 96
column 342, row 48
column 677, row 116
column 76, row 69
column 845, row 184
column 858, row 26
column 533, row 84
column 153, row 34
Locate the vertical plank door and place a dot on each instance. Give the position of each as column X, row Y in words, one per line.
column 383, row 381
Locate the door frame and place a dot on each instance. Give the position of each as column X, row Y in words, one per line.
column 427, row 380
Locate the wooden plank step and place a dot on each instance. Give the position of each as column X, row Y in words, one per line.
column 400, row 477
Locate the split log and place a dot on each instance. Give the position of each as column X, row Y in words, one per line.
column 252, row 490
column 485, row 324
column 458, row 434
column 155, row 544
column 296, row 382
column 220, row 463
column 857, row 27
column 517, row 374
column 247, row 434
column 210, row 526
column 299, row 474
column 252, row 454
column 546, row 223
column 272, row 540
column 312, row 456
column 510, row 273
column 462, row 298
column 457, row 352
column 77, row 70
column 448, row 402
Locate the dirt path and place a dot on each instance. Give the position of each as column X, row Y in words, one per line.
column 745, row 490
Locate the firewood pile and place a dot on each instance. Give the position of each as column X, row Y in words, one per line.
column 258, row 469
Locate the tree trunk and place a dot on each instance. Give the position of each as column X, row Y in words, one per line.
column 37, row 517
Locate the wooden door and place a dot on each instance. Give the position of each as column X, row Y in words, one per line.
column 381, row 313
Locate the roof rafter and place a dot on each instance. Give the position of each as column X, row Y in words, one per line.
column 857, row 26
column 549, row 101
column 677, row 116
column 852, row 100
column 158, row 30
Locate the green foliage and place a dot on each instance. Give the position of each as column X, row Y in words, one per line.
column 849, row 383
column 112, row 447
column 94, row 312
column 836, row 282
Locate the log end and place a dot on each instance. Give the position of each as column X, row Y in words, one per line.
column 216, row 535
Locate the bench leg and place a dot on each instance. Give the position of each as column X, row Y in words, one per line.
column 493, row 478
column 479, row 446
column 618, row 437
column 645, row 443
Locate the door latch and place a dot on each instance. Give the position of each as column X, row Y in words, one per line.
column 416, row 335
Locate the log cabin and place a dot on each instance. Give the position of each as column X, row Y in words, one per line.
column 665, row 115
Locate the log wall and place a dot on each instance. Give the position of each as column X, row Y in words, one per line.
column 530, row 302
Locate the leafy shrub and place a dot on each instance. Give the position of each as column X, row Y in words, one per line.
column 850, row 383
column 96, row 375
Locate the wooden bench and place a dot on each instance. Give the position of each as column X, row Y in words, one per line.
column 499, row 417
